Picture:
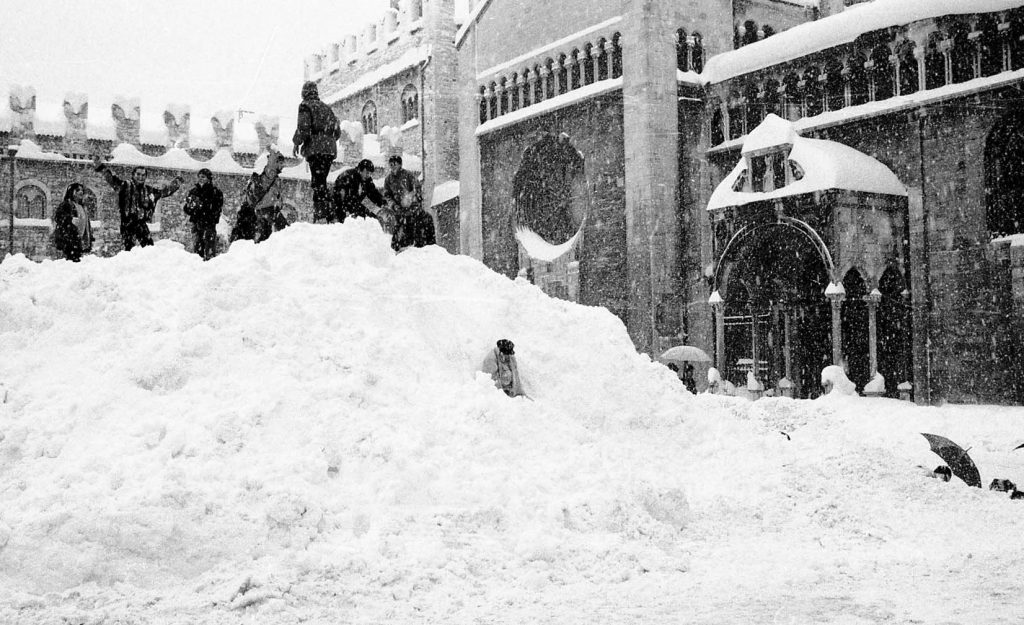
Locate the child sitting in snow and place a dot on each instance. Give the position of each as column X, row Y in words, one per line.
column 500, row 363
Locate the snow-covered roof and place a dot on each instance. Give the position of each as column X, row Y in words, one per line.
column 410, row 58
column 838, row 29
column 444, row 192
column 770, row 133
column 546, row 106
column 29, row 150
column 826, row 165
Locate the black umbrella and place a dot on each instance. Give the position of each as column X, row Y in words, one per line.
column 956, row 458
column 1018, row 447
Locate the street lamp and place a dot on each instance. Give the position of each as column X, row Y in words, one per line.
column 12, row 151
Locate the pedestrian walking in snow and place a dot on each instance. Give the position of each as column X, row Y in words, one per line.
column 203, row 207
column 688, row 379
column 501, row 364
column 404, row 200
column 72, row 232
column 260, row 215
column 316, row 136
column 355, row 195
column 136, row 202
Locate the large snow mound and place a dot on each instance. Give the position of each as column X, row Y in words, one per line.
column 298, row 432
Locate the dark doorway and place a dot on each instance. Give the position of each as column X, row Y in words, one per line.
column 855, row 330
column 894, row 346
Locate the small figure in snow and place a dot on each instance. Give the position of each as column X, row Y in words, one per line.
column 72, row 232
column 411, row 224
column 136, row 202
column 943, row 473
column 355, row 195
column 203, row 207
column 316, row 135
column 500, row 363
column 260, row 214
column 688, row 379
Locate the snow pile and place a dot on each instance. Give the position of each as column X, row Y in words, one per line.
column 834, row 379
column 298, row 432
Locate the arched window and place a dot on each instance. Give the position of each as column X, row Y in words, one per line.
column 934, row 64
column 30, row 202
column 857, row 75
column 369, row 118
column 910, row 80
column 813, row 104
column 882, row 74
column 835, row 96
column 755, row 107
column 549, row 92
column 697, row 53
column 962, row 53
column 538, row 84
column 682, row 51
column 1004, row 176
column 410, row 103
column 616, row 56
column 483, row 104
column 770, row 97
column 602, row 59
column 990, row 47
column 562, row 81
column 492, row 99
column 575, row 71
column 736, row 109
column 588, row 64
column 791, row 97
column 717, row 131
column 514, row 87
column 502, row 96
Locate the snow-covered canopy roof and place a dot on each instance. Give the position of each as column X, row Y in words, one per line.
column 838, row 29
column 773, row 132
column 826, row 165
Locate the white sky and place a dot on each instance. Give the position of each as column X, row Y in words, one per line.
column 209, row 54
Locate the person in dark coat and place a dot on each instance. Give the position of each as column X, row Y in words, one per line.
column 404, row 197
column 72, row 232
column 688, row 379
column 355, row 195
column 260, row 213
column 203, row 206
column 136, row 201
column 316, row 135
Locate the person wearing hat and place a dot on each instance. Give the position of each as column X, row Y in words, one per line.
column 316, row 136
column 203, row 206
column 355, row 195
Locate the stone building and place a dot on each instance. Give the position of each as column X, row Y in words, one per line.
column 393, row 82
column 785, row 184
column 50, row 146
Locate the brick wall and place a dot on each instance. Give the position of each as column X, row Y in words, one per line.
column 595, row 129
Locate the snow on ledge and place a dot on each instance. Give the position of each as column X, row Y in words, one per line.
column 557, row 102
column 444, row 192
column 539, row 249
column 564, row 42
column 838, row 29
column 29, row 150
column 1015, row 240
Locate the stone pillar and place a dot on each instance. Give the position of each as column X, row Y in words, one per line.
column 531, row 88
column 520, row 91
column 651, row 127
column 873, row 298
column 836, row 298
column 545, row 76
column 609, row 50
column 718, row 308
column 595, row 55
column 488, row 103
column 557, row 74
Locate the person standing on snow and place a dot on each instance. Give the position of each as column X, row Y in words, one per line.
column 72, row 232
column 501, row 364
column 355, row 195
column 203, row 206
column 136, row 201
column 404, row 197
column 316, row 135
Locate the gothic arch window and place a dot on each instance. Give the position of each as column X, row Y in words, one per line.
column 682, row 50
column 990, row 48
column 602, row 59
column 502, row 96
column 1004, row 176
column 616, row 56
column 369, row 118
column 835, row 96
column 934, row 64
column 812, row 92
column 549, row 92
column 588, row 64
column 791, row 97
column 538, row 85
column 882, row 73
column 755, row 108
column 562, row 81
column 857, row 75
column 770, row 97
column 513, row 98
column 575, row 71
column 962, row 53
column 697, row 53
column 483, row 104
column 910, row 80
column 736, row 109
column 717, row 130
column 410, row 103
column 550, row 190
column 30, row 201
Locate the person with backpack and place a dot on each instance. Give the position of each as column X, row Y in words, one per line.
column 316, row 136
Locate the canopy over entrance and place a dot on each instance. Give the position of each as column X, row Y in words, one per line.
column 807, row 165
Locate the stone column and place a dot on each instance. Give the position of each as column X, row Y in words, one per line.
column 595, row 71
column 873, row 298
column 836, row 298
column 520, row 91
column 557, row 72
column 609, row 50
column 718, row 308
column 651, row 138
column 488, row 103
column 545, row 76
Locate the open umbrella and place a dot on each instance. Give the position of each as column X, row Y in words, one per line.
column 956, row 458
column 1018, row 447
column 685, row 353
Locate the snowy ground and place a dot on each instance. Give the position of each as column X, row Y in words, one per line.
column 297, row 432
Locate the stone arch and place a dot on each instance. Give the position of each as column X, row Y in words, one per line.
column 934, row 62
column 770, row 97
column 588, row 64
column 835, row 88
column 801, row 227
column 910, row 75
column 697, row 52
column 754, row 105
column 616, row 55
column 717, row 127
column 893, row 330
column 990, row 48
column 962, row 52
column 854, row 318
column 882, row 76
column 1004, row 176
column 369, row 118
column 31, row 199
column 575, row 69
column 791, row 97
column 410, row 103
column 812, row 96
column 550, row 195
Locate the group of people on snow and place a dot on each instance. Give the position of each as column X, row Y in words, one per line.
column 399, row 209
